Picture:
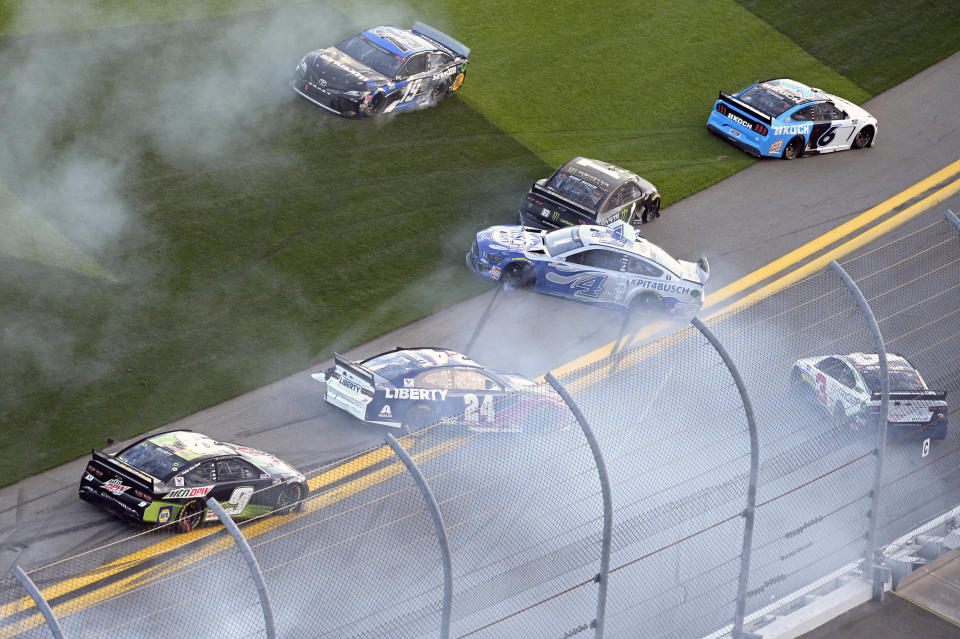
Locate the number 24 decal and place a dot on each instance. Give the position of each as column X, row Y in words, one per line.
column 477, row 410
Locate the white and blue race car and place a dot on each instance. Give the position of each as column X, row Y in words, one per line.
column 786, row 119
column 607, row 266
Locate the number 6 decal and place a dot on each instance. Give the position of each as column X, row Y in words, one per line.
column 827, row 137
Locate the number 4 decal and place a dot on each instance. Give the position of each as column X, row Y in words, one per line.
column 589, row 286
column 477, row 410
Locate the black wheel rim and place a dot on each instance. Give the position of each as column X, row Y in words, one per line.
column 863, row 138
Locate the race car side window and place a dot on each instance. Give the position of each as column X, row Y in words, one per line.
column 438, row 60
column 806, row 114
column 472, row 379
column 416, row 64
column 832, row 367
column 436, row 378
column 202, row 474
column 597, row 258
column 640, row 266
column 235, row 470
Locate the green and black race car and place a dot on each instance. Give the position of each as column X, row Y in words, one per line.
column 168, row 477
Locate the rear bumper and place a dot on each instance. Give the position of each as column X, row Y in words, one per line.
column 933, row 430
column 122, row 506
column 741, row 142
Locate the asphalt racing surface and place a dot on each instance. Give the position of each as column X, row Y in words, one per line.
column 741, row 224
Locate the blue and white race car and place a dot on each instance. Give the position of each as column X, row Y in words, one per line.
column 607, row 266
column 786, row 119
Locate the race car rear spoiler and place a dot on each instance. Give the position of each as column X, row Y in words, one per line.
column 760, row 115
column 933, row 396
column 128, row 472
column 441, row 38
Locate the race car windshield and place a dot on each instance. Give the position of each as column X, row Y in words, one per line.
column 153, row 460
column 573, row 188
column 561, row 241
column 764, row 99
column 902, row 380
column 376, row 57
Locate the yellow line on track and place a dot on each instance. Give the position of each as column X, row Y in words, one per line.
column 153, row 573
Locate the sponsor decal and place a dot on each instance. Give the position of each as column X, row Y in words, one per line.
column 521, row 259
column 446, row 73
column 416, row 393
column 163, row 515
column 776, row 146
column 210, row 516
column 178, row 481
column 663, row 288
column 458, row 81
column 184, row 493
column 793, row 129
column 349, row 383
column 115, row 486
column 385, row 411
column 741, row 121
column 495, row 272
column 408, row 382
column 89, row 477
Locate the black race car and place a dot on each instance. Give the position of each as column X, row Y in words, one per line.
column 381, row 70
column 168, row 478
column 410, row 388
column 585, row 191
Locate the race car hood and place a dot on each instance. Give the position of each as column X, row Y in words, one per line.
column 698, row 271
column 509, row 239
column 334, row 69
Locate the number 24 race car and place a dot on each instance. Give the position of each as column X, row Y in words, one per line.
column 848, row 388
column 167, row 479
column 381, row 70
column 787, row 119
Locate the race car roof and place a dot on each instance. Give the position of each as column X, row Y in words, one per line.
column 624, row 236
column 401, row 362
column 189, row 445
column 865, row 360
column 603, row 175
column 399, row 41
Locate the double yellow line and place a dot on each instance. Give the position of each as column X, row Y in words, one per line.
column 718, row 299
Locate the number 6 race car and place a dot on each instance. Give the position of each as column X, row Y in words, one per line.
column 381, row 70
column 787, row 119
column 607, row 266
column 167, row 478
column 848, row 388
column 410, row 388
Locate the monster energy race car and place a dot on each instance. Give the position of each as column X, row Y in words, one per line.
column 167, row 478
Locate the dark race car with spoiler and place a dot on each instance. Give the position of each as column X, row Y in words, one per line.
column 786, row 119
column 410, row 388
column 848, row 388
column 382, row 70
column 167, row 478
column 585, row 191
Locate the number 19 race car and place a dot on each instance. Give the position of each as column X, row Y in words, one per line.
column 787, row 119
column 585, row 191
column 848, row 388
column 169, row 477
column 381, row 70
column 411, row 388
column 607, row 266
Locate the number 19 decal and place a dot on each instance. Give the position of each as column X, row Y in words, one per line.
column 477, row 410
column 410, row 92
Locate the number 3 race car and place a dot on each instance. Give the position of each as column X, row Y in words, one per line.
column 410, row 388
column 169, row 477
column 381, row 70
column 848, row 388
column 585, row 191
column 787, row 119
column 606, row 266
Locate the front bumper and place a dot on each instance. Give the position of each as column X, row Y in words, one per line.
column 481, row 267
column 333, row 102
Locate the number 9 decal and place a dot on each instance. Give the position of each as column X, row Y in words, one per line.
column 238, row 500
column 827, row 137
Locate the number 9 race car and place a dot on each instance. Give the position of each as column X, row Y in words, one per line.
column 848, row 388
column 607, row 266
column 381, row 70
column 787, row 119
column 411, row 388
column 167, row 478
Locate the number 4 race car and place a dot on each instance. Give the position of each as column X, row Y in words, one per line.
column 848, row 388
column 787, row 119
column 381, row 70
column 607, row 266
column 411, row 388
column 167, row 478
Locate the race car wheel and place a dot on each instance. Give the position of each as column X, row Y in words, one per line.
column 864, row 137
column 191, row 517
column 839, row 416
column 376, row 104
column 793, row 149
column 646, row 303
column 517, row 275
column 651, row 210
column 290, row 499
column 417, row 417
column 440, row 91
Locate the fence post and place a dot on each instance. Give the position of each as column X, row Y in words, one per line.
column 953, row 218
column 434, row 508
column 603, row 576
column 750, row 511
column 252, row 563
column 37, row 596
column 880, row 450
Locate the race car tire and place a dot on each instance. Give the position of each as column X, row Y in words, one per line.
column 440, row 91
column 646, row 303
column 290, row 499
column 376, row 105
column 517, row 276
column 864, row 138
column 417, row 417
column 651, row 210
column 839, row 417
column 191, row 516
column 793, row 149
